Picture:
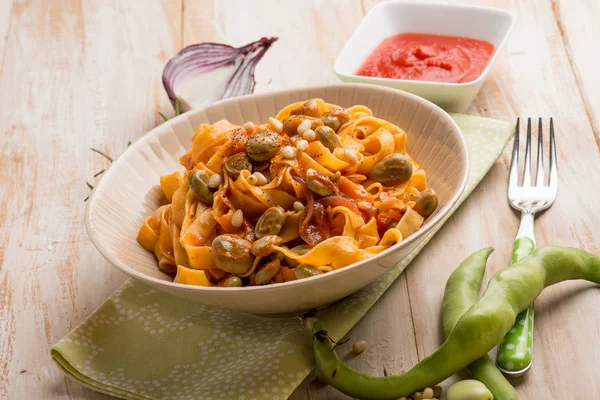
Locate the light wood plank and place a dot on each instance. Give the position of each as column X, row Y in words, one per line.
column 5, row 16
column 531, row 80
column 311, row 33
column 70, row 97
column 501, row 97
column 578, row 24
column 75, row 75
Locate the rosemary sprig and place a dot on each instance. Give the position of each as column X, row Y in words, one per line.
column 177, row 110
column 109, row 158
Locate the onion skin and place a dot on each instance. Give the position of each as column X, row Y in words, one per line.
column 197, row 59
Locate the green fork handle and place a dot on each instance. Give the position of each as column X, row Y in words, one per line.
column 515, row 350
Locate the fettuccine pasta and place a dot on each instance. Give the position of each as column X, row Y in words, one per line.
column 314, row 189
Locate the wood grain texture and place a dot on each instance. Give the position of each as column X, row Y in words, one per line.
column 531, row 80
column 310, row 35
column 5, row 14
column 75, row 75
column 577, row 23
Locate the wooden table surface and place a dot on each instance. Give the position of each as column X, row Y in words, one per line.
column 76, row 74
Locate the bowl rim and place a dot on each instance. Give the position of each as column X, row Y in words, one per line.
column 415, row 237
column 389, row 81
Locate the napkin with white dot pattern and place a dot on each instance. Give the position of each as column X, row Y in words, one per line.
column 145, row 344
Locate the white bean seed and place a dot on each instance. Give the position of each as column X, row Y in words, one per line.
column 288, row 152
column 276, row 124
column 214, row 181
column 309, row 135
column 304, row 126
column 298, row 206
column 249, row 126
column 359, row 347
column 238, row 218
column 351, row 156
column 260, row 179
column 302, row 145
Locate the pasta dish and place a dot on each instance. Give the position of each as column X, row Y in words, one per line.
column 314, row 189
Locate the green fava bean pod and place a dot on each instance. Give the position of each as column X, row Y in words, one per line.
column 482, row 327
column 462, row 291
column 469, row 389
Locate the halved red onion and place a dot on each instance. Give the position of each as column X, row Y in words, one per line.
column 206, row 72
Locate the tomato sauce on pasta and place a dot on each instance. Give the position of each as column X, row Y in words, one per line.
column 316, row 188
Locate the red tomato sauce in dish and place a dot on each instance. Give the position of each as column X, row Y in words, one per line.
column 428, row 57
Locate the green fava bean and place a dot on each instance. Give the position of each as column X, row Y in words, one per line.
column 270, row 222
column 461, row 292
column 232, row 254
column 328, row 137
column 482, row 327
column 469, row 389
column 237, row 163
column 426, row 202
column 231, row 281
column 306, row 271
column 335, row 118
column 309, row 107
column 262, row 145
column 300, row 250
column 319, row 184
column 318, row 187
column 392, row 170
column 265, row 273
column 199, row 185
column 264, row 246
column 290, row 124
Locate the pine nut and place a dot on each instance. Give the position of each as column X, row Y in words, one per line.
column 302, row 145
column 238, row 218
column 359, row 347
column 288, row 152
column 309, row 135
column 276, row 124
column 249, row 126
column 260, row 179
column 214, row 181
column 428, row 393
column 304, row 126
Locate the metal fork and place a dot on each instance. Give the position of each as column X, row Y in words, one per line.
column 515, row 350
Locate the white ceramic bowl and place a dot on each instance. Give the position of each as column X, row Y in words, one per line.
column 393, row 17
column 129, row 192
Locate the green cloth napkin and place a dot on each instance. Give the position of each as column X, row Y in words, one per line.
column 145, row 344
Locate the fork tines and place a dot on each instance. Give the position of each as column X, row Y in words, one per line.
column 514, row 164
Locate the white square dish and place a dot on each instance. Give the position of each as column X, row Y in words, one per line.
column 393, row 17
